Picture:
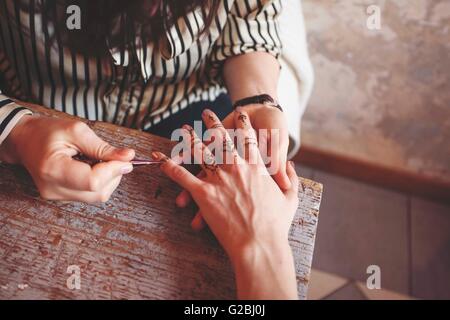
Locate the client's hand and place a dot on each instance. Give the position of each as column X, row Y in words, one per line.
column 245, row 209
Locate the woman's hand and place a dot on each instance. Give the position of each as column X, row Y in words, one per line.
column 253, row 74
column 276, row 141
column 45, row 146
column 261, row 117
column 245, row 209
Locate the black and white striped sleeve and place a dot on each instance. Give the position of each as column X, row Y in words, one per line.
column 252, row 25
column 10, row 114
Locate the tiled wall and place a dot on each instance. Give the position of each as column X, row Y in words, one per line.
column 381, row 96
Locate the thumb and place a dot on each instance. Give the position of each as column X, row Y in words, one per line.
column 94, row 147
column 281, row 175
column 293, row 178
column 277, row 143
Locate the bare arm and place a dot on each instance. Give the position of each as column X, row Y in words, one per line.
column 251, row 74
column 266, row 272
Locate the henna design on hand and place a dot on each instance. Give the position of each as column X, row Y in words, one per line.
column 160, row 156
column 208, row 160
column 250, row 141
column 243, row 118
column 217, row 126
column 210, row 163
column 228, row 145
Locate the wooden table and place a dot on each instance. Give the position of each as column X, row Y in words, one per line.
column 138, row 245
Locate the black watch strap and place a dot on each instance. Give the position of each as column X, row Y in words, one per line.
column 259, row 99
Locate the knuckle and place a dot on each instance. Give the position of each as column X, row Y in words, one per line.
column 203, row 191
column 44, row 170
column 251, row 133
column 178, row 173
column 94, row 184
column 222, row 133
column 104, row 197
column 78, row 127
column 47, row 194
column 102, row 149
column 216, row 133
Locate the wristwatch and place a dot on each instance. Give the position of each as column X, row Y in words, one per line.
column 264, row 99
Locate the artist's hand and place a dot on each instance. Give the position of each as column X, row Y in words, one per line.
column 243, row 206
column 45, row 146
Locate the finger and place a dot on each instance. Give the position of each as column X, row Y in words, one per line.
column 222, row 143
column 293, row 178
column 202, row 155
column 281, row 177
column 105, row 194
column 278, row 144
column 76, row 175
column 198, row 223
column 105, row 172
column 185, row 198
column 65, row 194
column 94, row 147
column 177, row 173
column 247, row 140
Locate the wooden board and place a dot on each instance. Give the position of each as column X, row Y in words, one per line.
column 138, row 245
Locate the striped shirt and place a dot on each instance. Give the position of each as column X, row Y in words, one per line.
column 136, row 87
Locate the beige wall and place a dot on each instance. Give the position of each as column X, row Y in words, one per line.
column 381, row 96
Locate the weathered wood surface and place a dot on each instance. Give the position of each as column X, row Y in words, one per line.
column 138, row 245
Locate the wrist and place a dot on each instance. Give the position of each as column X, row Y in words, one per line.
column 269, row 250
column 266, row 272
column 255, row 92
column 257, row 107
column 262, row 100
column 10, row 148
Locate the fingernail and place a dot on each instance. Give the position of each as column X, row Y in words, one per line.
column 123, row 151
column 207, row 111
column 127, row 169
column 156, row 155
column 187, row 127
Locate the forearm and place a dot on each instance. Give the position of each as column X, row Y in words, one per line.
column 266, row 272
column 251, row 74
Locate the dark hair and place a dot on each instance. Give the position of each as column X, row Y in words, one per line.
column 151, row 17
